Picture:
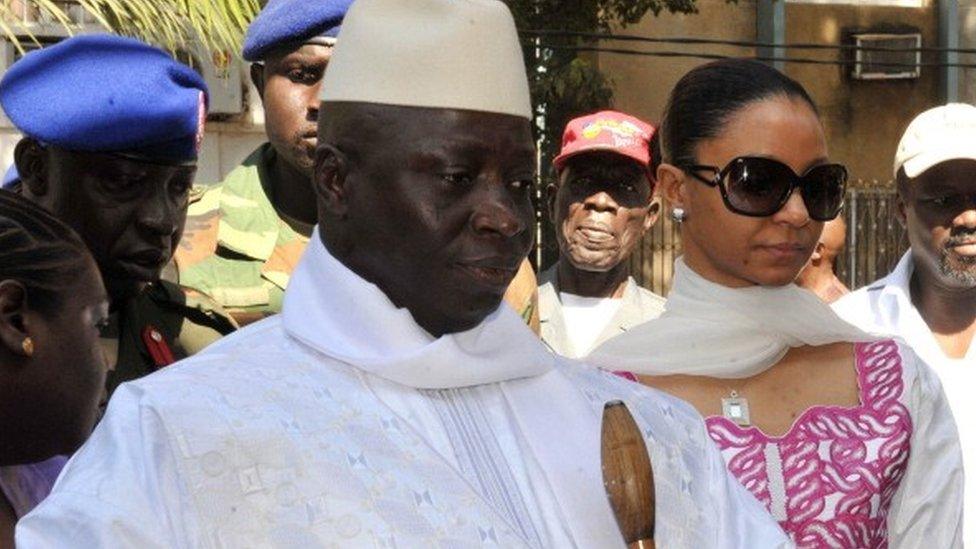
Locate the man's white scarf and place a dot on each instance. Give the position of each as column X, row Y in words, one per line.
column 711, row 330
column 332, row 309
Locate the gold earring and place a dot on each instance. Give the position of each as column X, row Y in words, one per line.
column 28, row 346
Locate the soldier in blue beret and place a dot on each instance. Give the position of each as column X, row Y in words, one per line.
column 244, row 235
column 112, row 130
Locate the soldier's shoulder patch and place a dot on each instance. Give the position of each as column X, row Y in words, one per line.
column 199, row 300
column 200, row 308
column 197, row 191
column 204, row 199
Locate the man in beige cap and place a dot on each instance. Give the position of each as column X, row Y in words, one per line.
column 930, row 298
column 394, row 402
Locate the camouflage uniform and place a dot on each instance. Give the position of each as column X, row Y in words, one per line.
column 236, row 248
column 161, row 325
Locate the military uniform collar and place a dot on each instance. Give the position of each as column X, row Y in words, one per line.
column 249, row 223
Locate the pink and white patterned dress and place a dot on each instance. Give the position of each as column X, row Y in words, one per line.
column 830, row 480
column 886, row 473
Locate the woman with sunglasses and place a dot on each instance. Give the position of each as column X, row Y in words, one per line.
column 846, row 438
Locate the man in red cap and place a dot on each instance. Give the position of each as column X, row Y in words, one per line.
column 601, row 205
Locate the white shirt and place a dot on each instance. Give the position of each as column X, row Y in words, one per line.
column 341, row 422
column 635, row 306
column 586, row 318
column 886, row 307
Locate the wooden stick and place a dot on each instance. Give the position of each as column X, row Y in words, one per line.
column 627, row 475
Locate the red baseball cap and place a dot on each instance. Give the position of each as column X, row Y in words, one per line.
column 607, row 131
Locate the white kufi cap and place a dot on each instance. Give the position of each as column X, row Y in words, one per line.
column 935, row 136
column 447, row 54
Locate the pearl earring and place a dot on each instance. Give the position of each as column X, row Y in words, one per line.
column 678, row 215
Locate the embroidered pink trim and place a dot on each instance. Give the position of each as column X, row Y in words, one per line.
column 838, row 467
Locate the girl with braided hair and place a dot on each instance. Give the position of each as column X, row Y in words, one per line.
column 52, row 370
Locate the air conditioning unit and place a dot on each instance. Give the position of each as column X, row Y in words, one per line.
column 887, row 56
column 222, row 72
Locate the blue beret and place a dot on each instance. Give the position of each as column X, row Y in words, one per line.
column 107, row 93
column 292, row 21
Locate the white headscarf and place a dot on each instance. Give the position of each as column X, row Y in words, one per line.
column 711, row 330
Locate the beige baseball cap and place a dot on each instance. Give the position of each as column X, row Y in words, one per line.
column 450, row 54
column 939, row 134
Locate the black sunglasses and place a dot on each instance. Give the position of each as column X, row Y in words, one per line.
column 760, row 187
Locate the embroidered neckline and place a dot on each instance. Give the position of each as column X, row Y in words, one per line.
column 862, row 353
column 835, row 471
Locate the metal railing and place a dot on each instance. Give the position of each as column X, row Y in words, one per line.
column 875, row 237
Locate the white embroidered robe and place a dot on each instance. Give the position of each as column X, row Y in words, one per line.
column 341, row 423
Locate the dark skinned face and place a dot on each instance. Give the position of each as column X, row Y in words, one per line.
column 939, row 208
column 434, row 206
column 601, row 208
column 289, row 88
column 78, row 365
column 55, row 405
column 130, row 213
column 736, row 250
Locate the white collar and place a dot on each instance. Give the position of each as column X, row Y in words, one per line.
column 333, row 310
column 900, row 315
column 897, row 285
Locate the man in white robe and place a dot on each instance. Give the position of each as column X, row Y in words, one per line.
column 393, row 403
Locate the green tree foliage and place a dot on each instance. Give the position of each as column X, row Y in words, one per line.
column 171, row 24
column 563, row 83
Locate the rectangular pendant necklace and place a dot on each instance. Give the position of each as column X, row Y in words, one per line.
column 736, row 409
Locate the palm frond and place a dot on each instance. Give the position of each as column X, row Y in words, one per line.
column 219, row 25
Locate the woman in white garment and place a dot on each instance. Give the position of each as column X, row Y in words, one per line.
column 52, row 371
column 847, row 439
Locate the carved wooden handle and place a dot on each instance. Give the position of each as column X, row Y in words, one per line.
column 627, row 475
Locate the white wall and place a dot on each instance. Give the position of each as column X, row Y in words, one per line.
column 224, row 148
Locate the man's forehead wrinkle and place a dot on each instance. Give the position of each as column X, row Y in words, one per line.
column 462, row 140
column 459, row 143
column 953, row 175
column 351, row 124
column 300, row 52
column 426, row 130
